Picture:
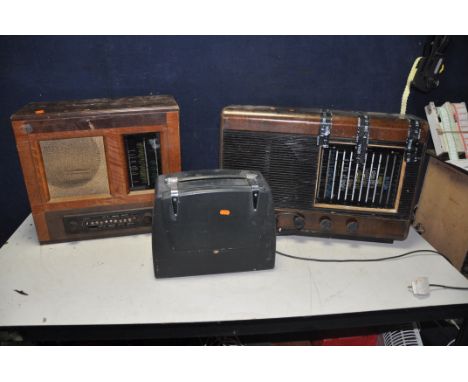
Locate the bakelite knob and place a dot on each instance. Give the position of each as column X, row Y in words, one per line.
column 299, row 222
column 147, row 219
column 73, row 226
column 352, row 226
column 325, row 224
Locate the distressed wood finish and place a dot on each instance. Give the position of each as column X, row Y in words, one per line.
column 373, row 228
column 442, row 210
column 107, row 118
column 385, row 127
column 95, row 107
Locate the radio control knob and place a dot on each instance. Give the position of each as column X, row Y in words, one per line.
column 73, row 226
column 147, row 219
column 325, row 224
column 299, row 222
column 352, row 226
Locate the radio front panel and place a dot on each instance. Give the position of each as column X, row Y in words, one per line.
column 95, row 155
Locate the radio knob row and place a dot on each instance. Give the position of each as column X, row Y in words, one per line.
column 110, row 221
column 326, row 224
column 106, row 223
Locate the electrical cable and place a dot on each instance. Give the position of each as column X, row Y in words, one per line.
column 364, row 260
column 448, row 287
column 406, row 91
column 429, row 251
column 453, row 323
column 443, row 331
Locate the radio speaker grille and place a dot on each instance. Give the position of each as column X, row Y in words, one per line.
column 75, row 167
column 287, row 161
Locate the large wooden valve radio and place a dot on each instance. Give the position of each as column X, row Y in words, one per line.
column 337, row 174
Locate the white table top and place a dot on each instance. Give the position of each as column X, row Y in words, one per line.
column 111, row 281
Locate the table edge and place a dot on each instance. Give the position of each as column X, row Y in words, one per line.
column 329, row 322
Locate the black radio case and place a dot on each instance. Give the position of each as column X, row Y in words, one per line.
column 212, row 221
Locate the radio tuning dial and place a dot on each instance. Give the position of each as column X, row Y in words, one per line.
column 299, row 222
column 325, row 224
column 73, row 226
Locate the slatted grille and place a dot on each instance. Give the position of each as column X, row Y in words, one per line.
column 372, row 184
column 287, row 161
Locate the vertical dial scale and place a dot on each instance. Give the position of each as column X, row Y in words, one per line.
column 144, row 160
column 345, row 182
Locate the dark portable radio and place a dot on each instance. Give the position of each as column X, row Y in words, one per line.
column 213, row 221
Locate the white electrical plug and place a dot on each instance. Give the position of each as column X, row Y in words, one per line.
column 420, row 286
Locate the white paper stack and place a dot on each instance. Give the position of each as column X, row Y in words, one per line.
column 449, row 129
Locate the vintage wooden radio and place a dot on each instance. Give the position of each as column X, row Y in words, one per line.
column 336, row 174
column 90, row 165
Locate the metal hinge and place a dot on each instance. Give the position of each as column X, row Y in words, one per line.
column 412, row 141
column 325, row 128
column 172, row 183
column 362, row 138
column 252, row 179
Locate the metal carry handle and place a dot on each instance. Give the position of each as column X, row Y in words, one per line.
column 208, row 177
column 172, row 182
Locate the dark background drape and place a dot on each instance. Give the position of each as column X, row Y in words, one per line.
column 205, row 74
